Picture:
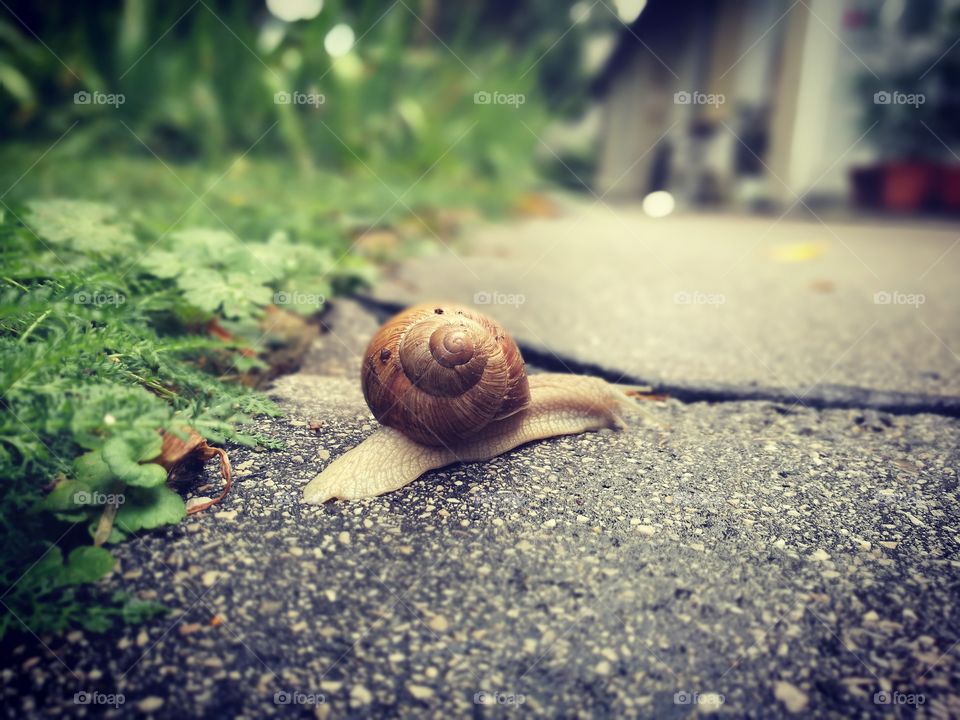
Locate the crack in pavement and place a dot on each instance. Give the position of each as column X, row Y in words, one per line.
column 818, row 396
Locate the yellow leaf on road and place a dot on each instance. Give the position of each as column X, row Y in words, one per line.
column 798, row 252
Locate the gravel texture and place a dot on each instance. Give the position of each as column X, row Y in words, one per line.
column 753, row 559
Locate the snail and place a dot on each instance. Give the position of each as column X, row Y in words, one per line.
column 449, row 385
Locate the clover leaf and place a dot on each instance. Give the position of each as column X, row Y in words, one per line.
column 122, row 457
column 87, row 564
column 85, row 226
column 232, row 294
column 150, row 507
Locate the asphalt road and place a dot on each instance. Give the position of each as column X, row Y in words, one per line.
column 754, row 559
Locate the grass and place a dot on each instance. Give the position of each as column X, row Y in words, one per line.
column 135, row 302
column 159, row 255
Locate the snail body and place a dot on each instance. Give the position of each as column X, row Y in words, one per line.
column 449, row 385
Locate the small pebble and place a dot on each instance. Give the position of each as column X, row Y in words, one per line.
column 150, row 704
column 359, row 696
column 420, row 692
column 792, row 697
column 438, row 623
column 195, row 501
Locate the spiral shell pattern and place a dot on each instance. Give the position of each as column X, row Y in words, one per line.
column 439, row 373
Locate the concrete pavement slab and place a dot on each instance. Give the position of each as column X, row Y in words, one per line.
column 701, row 302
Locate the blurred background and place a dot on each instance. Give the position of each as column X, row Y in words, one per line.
column 745, row 105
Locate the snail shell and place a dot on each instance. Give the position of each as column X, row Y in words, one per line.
column 439, row 374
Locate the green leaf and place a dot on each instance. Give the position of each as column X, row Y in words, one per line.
column 122, row 457
column 306, row 297
column 353, row 271
column 147, row 443
column 13, row 81
column 67, row 495
column 87, row 564
column 233, row 294
column 45, row 574
column 152, row 507
column 200, row 250
column 91, row 471
column 96, row 622
column 103, row 411
column 70, row 517
column 162, row 263
column 85, row 226
column 245, row 364
column 136, row 611
column 204, row 245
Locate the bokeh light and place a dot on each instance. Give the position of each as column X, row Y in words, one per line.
column 293, row 10
column 339, row 41
column 658, row 204
column 629, row 10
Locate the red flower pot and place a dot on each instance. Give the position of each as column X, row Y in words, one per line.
column 950, row 188
column 908, row 186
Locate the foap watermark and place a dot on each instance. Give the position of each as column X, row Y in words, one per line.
column 299, row 98
column 299, row 299
column 98, row 698
column 686, row 697
column 501, row 502
column 895, row 297
column 894, row 697
column 694, row 499
column 495, row 697
column 895, row 97
column 486, row 97
column 696, row 297
column 484, row 297
column 84, row 297
column 92, row 497
column 686, row 97
column 899, row 498
column 98, row 98
column 295, row 697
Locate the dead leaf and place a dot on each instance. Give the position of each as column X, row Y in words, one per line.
column 176, row 453
column 537, row 205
